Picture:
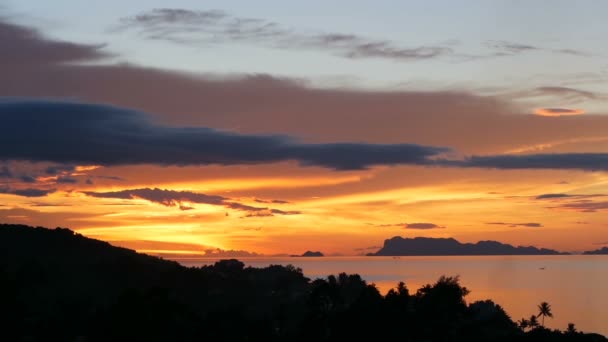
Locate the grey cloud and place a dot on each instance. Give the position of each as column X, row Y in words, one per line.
column 506, row 48
column 551, row 196
column 5, row 172
column 559, row 161
column 510, row 48
column 27, row 179
column 271, row 201
column 422, row 226
column 29, row 192
column 566, row 93
column 172, row 198
column 513, row 225
column 97, row 134
column 58, row 169
column 206, row 27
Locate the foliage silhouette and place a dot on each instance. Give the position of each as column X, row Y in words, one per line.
column 544, row 310
column 58, row 285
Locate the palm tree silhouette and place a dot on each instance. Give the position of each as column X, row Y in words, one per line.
column 544, row 309
column 523, row 324
column 533, row 322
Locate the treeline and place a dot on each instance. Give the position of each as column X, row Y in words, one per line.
column 56, row 285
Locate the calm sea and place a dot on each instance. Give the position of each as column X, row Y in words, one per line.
column 575, row 286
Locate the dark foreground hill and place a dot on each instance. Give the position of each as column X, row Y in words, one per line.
column 398, row 246
column 56, row 285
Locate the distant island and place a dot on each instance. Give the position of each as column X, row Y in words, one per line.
column 601, row 251
column 312, row 254
column 307, row 254
column 424, row 246
column 57, row 285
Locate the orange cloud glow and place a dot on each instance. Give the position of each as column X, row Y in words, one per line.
column 558, row 111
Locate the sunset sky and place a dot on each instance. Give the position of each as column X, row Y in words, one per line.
column 277, row 127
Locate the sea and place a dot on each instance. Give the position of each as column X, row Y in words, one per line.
column 576, row 286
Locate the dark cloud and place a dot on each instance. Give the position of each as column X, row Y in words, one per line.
column 421, row 226
column 513, row 225
column 551, row 196
column 179, row 199
column 96, row 134
column 58, row 169
column 5, row 172
column 29, row 192
column 27, row 179
column 212, row 27
column 271, row 201
column 558, row 161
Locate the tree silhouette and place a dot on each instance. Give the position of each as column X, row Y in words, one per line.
column 544, row 310
column 523, row 324
column 533, row 322
column 571, row 329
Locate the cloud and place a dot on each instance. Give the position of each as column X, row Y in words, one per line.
column 565, row 93
column 558, row 111
column 26, row 46
column 557, row 161
column 27, row 179
column 421, row 226
column 513, row 225
column 506, row 48
column 5, row 172
column 216, row 27
column 268, row 104
column 59, row 169
column 66, row 180
column 271, row 201
column 181, row 199
column 551, row 196
column 29, row 192
column 584, row 206
column 96, row 134
column 510, row 48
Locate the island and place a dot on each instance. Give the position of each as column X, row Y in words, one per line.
column 601, row 251
column 312, row 254
column 425, row 246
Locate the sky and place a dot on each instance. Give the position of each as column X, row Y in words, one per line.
column 235, row 127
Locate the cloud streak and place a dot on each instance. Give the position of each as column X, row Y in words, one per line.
column 182, row 199
column 514, row 225
column 214, row 27
column 28, row 192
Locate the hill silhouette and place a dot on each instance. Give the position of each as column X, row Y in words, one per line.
column 601, row 251
column 310, row 254
column 56, row 285
column 423, row 246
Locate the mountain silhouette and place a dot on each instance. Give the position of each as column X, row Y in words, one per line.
column 424, row 246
